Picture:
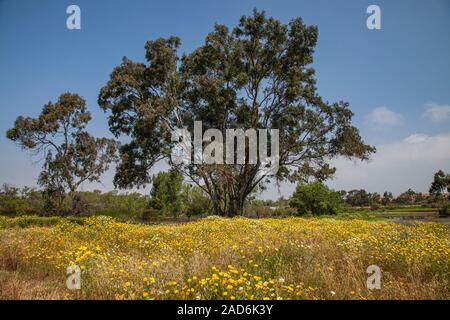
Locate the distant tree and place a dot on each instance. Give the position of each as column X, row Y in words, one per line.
column 387, row 198
column 374, row 198
column 166, row 193
column 343, row 194
column 406, row 197
column 441, row 182
column 71, row 155
column 257, row 75
column 358, row 198
column 10, row 191
column 16, row 201
column 195, row 200
column 419, row 198
column 282, row 202
column 315, row 198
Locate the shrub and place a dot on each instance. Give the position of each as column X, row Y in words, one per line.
column 166, row 193
column 315, row 199
column 444, row 212
column 150, row 214
column 194, row 201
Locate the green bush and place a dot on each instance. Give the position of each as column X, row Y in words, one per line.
column 194, row 201
column 166, row 193
column 35, row 221
column 315, row 199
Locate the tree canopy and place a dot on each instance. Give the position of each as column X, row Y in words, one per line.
column 166, row 193
column 315, row 198
column 71, row 155
column 441, row 182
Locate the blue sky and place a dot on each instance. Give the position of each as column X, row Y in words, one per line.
column 396, row 79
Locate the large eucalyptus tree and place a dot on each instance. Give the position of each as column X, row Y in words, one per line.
column 257, row 75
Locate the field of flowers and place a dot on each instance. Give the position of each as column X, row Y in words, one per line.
column 218, row 258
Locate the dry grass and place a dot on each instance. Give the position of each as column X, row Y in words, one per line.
column 216, row 258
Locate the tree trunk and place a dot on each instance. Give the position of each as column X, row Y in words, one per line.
column 231, row 208
column 75, row 199
column 227, row 196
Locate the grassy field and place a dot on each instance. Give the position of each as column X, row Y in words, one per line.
column 216, row 258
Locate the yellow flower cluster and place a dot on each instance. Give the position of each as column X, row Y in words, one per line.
column 218, row 258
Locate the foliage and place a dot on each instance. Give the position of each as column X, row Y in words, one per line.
column 407, row 197
column 441, row 182
column 361, row 198
column 257, row 75
column 71, row 155
column 29, row 201
column 117, row 205
column 387, row 198
column 195, row 201
column 19, row 201
column 316, row 199
column 165, row 194
column 35, row 221
column 441, row 202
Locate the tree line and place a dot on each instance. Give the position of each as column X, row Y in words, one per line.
column 316, row 198
column 172, row 198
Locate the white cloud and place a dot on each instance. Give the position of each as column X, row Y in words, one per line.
column 395, row 167
column 383, row 116
column 437, row 113
column 416, row 138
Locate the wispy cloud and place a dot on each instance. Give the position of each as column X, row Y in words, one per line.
column 416, row 138
column 383, row 116
column 397, row 166
column 437, row 113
